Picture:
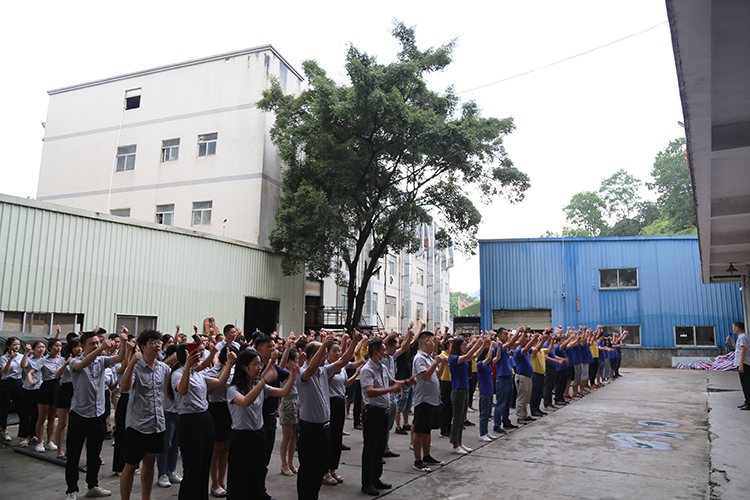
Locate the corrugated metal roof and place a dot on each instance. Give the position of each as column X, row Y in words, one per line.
column 557, row 274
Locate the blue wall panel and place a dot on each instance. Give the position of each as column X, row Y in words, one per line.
column 551, row 273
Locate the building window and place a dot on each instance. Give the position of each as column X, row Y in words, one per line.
column 420, row 311
column 634, row 333
column 165, row 214
column 420, row 276
column 207, row 144
column 120, row 212
column 391, row 265
column 390, row 305
column 125, row 158
column 375, row 304
column 136, row 324
column 202, row 213
column 170, row 150
column 40, row 323
column 133, row 98
column 693, row 336
column 618, row 278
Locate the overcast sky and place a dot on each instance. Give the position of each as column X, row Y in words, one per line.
column 577, row 122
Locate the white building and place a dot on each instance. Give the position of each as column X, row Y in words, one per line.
column 185, row 145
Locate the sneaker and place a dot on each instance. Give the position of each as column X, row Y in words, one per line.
column 39, row 448
column 402, row 431
column 469, row 424
column 72, row 496
column 459, row 451
column 466, row 448
column 164, row 481
column 51, row 446
column 24, row 443
column 470, row 409
column 510, row 426
column 491, row 436
column 406, row 427
column 498, row 430
column 6, row 436
column 485, row 438
column 97, row 491
column 445, row 436
column 431, row 461
column 421, row 467
column 175, row 478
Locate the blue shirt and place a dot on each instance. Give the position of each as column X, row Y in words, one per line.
column 503, row 366
column 459, row 373
column 484, row 375
column 560, row 353
column 523, row 362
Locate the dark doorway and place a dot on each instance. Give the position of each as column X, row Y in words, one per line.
column 261, row 314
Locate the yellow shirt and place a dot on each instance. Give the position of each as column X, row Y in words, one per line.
column 360, row 355
column 474, row 366
column 594, row 349
column 537, row 361
column 446, row 375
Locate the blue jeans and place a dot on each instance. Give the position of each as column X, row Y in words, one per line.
column 166, row 461
column 485, row 409
column 504, row 390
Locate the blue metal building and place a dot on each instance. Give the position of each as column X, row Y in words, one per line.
column 650, row 286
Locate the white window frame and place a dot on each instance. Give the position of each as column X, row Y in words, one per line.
column 165, row 214
column 618, row 287
column 629, row 339
column 133, row 98
column 170, row 150
column 207, row 144
column 695, row 335
column 420, row 276
column 28, row 317
column 390, row 306
column 419, row 311
column 120, row 212
column 202, row 209
column 125, row 158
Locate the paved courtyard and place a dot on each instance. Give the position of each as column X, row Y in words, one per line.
column 654, row 433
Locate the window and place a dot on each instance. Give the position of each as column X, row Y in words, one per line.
column 170, row 150
column 374, row 305
column 165, row 214
column 125, row 158
column 618, row 278
column 390, row 305
column 120, row 212
column 135, row 324
column 694, row 336
column 420, row 276
column 133, row 98
column 40, row 323
column 634, row 333
column 420, row 311
column 207, row 144
column 202, row 213
column 391, row 265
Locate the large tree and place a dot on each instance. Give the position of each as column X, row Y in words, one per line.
column 368, row 161
column 671, row 180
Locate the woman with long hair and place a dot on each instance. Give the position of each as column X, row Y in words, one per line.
column 47, row 395
column 73, row 349
column 288, row 415
column 217, row 406
column 32, row 381
column 10, row 386
column 458, row 363
column 245, row 394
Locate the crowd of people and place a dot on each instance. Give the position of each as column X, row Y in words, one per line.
column 217, row 399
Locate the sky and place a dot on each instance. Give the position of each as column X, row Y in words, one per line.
column 577, row 122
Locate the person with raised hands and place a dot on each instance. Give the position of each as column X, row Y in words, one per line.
column 459, row 361
column 10, row 385
column 538, row 362
column 504, row 380
column 87, row 406
column 313, row 442
column 486, row 390
column 524, row 371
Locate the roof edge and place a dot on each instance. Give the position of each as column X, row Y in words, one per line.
column 596, row 238
column 183, row 64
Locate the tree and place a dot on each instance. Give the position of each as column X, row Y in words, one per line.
column 620, row 194
column 585, row 210
column 367, row 162
column 673, row 183
column 454, row 301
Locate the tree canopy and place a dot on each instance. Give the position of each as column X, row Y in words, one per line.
column 617, row 209
column 366, row 162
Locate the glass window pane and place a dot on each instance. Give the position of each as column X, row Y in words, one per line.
column 130, row 163
column 610, row 330
column 120, row 164
column 684, row 335
column 196, row 217
column 201, row 150
column 128, row 322
column 168, row 219
column 175, row 153
column 628, row 277
column 170, row 142
column 212, row 148
column 207, row 217
column 704, row 335
column 13, row 322
column 607, row 278
column 126, row 150
column 634, row 334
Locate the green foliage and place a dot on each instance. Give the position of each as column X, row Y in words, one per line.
column 367, row 162
column 586, row 210
column 620, row 194
column 472, row 310
column 672, row 181
column 454, row 302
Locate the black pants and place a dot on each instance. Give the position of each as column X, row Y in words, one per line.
column 313, row 446
column 593, row 368
column 80, row 430
column 247, row 451
column 616, row 366
column 121, row 444
column 473, row 377
column 561, row 383
column 10, row 390
column 29, row 415
column 269, row 427
column 446, row 408
column 338, row 415
column 745, row 382
column 375, row 431
column 550, row 377
column 357, row 409
column 537, row 390
column 196, row 434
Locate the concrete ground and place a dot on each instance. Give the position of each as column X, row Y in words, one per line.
column 654, row 433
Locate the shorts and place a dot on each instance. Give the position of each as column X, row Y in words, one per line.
column 577, row 369
column 222, row 420
column 65, row 396
column 571, row 373
column 47, row 394
column 404, row 399
column 584, row 371
column 139, row 444
column 426, row 418
column 289, row 410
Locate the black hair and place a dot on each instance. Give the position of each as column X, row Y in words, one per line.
column 165, row 338
column 245, row 346
column 301, row 344
column 113, row 336
column 740, row 325
column 52, row 342
column 9, row 342
column 240, row 338
column 392, row 341
column 71, row 336
column 225, row 352
column 310, row 349
column 85, row 338
column 69, row 346
column 456, row 346
column 239, row 378
column 484, row 353
column 147, row 335
column 181, row 351
column 227, row 328
column 373, row 345
column 262, row 339
column 330, row 346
